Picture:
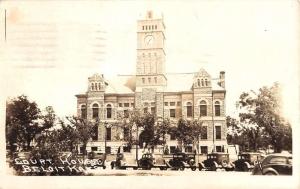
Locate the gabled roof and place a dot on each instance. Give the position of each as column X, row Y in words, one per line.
column 176, row 82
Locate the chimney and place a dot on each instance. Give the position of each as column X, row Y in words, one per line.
column 222, row 79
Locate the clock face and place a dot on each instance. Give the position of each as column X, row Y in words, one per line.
column 149, row 39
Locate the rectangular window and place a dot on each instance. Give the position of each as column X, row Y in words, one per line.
column 108, row 112
column 217, row 110
column 132, row 104
column 94, row 148
column 120, row 105
column 172, row 136
column 126, row 133
column 203, row 110
column 166, row 103
column 155, row 79
column 189, row 111
column 204, row 133
column 95, row 113
column 126, row 104
column 143, row 80
column 172, row 103
column 203, row 149
column 219, row 148
column 108, row 150
column 95, row 133
column 108, row 133
column 126, row 113
column 152, row 103
column 83, row 113
column 188, row 149
column 126, row 148
column 178, row 103
column 81, row 149
column 218, row 132
column 145, row 110
column 153, row 110
column 143, row 28
column 172, row 112
column 172, row 149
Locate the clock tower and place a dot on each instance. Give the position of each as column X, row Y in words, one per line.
column 150, row 65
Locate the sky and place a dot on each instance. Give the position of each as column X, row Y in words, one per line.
column 52, row 47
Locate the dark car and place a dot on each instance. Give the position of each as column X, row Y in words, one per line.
column 182, row 161
column 146, row 162
column 97, row 159
column 216, row 160
column 246, row 161
column 275, row 164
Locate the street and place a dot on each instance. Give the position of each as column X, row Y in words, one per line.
column 157, row 172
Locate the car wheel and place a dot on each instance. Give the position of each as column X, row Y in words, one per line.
column 213, row 167
column 104, row 167
column 245, row 168
column 181, row 168
column 135, row 168
column 200, row 167
column 193, row 168
column 269, row 173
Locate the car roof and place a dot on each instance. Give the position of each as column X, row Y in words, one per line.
column 250, row 153
column 279, row 155
column 216, row 153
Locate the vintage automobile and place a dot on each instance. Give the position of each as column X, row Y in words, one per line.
column 146, row 162
column 181, row 161
column 97, row 160
column 123, row 162
column 246, row 161
column 216, row 160
column 274, row 164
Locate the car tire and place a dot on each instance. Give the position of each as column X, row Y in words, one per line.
column 200, row 167
column 193, row 168
column 181, row 168
column 104, row 167
column 245, row 168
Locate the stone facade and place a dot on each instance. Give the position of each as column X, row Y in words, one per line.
column 191, row 96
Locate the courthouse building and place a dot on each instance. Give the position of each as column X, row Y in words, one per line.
column 188, row 95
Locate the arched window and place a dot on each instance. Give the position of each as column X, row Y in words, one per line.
column 83, row 111
column 203, row 108
column 108, row 111
column 189, row 109
column 202, row 82
column 95, row 109
column 92, row 86
column 217, row 108
column 198, row 82
column 206, row 82
column 96, row 86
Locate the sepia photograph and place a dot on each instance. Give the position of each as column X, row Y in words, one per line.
column 166, row 94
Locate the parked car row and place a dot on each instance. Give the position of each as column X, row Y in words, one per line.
column 274, row 164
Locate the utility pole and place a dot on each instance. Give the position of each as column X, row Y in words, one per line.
column 137, row 143
column 213, row 122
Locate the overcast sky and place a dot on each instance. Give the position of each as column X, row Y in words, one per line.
column 52, row 47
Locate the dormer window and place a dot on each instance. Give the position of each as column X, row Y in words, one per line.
column 206, row 82
column 92, row 86
column 198, row 82
column 202, row 82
